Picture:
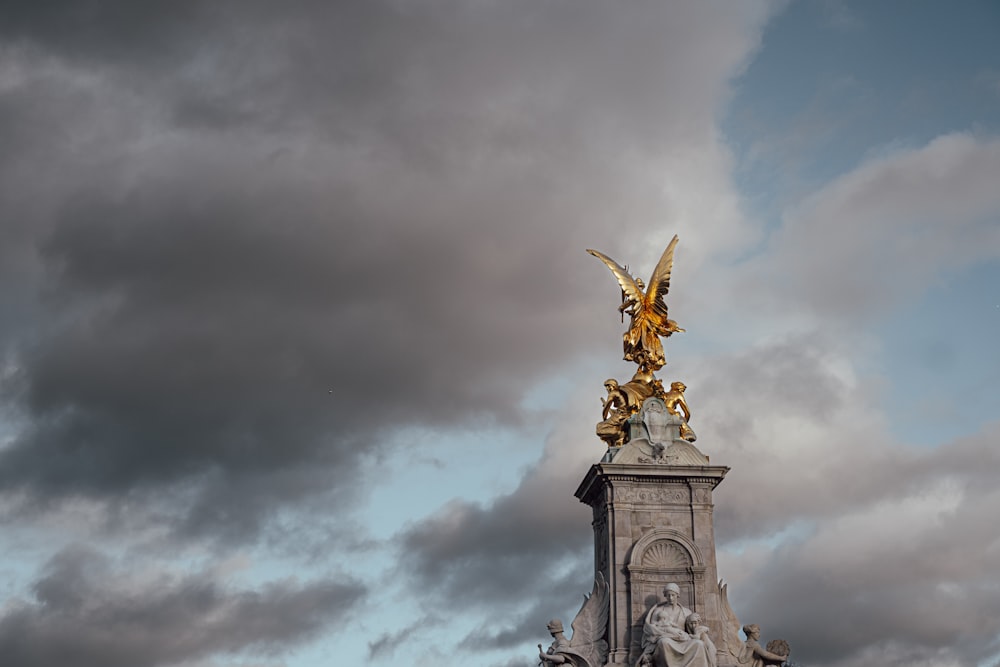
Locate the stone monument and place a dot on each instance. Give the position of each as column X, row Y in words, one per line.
column 654, row 541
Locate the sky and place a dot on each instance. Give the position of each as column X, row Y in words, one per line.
column 301, row 351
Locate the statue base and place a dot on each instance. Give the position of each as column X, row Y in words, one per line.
column 653, row 526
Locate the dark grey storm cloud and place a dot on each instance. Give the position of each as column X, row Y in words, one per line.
column 246, row 245
column 88, row 612
column 478, row 556
column 883, row 541
column 880, row 540
column 388, row 643
column 112, row 31
column 556, row 597
column 518, row 562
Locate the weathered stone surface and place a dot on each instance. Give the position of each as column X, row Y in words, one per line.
column 653, row 526
column 587, row 647
column 674, row 636
column 655, row 438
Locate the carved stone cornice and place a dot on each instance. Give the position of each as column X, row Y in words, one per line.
column 601, row 478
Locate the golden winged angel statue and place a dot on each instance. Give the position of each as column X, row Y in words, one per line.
column 647, row 310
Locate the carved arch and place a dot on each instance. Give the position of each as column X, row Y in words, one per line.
column 666, row 554
column 659, row 537
column 662, row 556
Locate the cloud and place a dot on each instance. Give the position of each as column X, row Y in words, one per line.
column 796, row 422
column 385, row 645
column 888, row 229
column 88, row 611
column 106, row 31
column 515, row 662
column 513, row 564
column 240, row 273
column 473, row 555
column 906, row 572
column 829, row 528
column 554, row 598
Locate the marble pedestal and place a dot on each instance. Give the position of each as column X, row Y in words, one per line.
column 652, row 526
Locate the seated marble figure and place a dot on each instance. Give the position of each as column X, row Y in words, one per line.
column 755, row 655
column 672, row 635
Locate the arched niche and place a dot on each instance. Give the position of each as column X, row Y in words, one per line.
column 660, row 557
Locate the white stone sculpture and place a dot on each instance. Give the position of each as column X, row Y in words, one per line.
column 749, row 653
column 656, row 421
column 587, row 647
column 672, row 636
column 755, row 655
column 655, row 437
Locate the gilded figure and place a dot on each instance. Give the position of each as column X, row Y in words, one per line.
column 642, row 344
column 616, row 410
column 674, row 400
column 646, row 309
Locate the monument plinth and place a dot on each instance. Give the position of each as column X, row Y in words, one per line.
column 653, row 526
column 657, row 599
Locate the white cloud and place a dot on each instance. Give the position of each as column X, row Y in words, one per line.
column 888, row 229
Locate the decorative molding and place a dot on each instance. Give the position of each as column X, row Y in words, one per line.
column 636, row 561
column 665, row 554
column 672, row 494
column 702, row 495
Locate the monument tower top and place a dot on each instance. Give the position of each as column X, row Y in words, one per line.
column 657, row 600
column 641, row 421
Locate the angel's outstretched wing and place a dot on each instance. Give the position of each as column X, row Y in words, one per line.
column 627, row 282
column 731, row 643
column 659, row 283
column 590, row 624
